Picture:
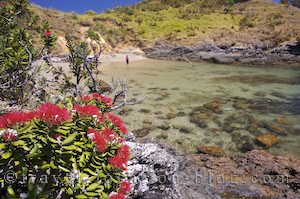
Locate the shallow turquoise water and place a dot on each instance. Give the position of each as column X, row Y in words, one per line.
column 172, row 87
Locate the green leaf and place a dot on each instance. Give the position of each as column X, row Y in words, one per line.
column 104, row 195
column 90, row 171
column 2, row 146
column 63, row 169
column 45, row 166
column 52, row 140
column 93, row 186
column 11, row 191
column 70, row 191
column 33, row 152
column 70, row 139
column 53, row 165
column 61, row 131
column 81, row 196
column 92, row 194
column 18, row 143
column 114, row 180
column 6, row 155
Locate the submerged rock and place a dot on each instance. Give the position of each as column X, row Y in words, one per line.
column 143, row 110
column 239, row 121
column 281, row 120
column 182, row 128
column 260, row 79
column 125, row 111
column 164, row 126
column 142, row 132
column 267, row 139
column 274, row 128
column 213, row 106
column 211, row 150
column 171, row 115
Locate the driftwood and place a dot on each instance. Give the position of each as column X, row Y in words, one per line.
column 121, row 95
column 188, row 61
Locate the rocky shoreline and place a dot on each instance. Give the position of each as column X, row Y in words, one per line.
column 286, row 54
column 157, row 171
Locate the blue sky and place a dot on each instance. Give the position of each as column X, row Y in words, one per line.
column 81, row 6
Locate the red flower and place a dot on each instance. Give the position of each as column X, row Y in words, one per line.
column 125, row 187
column 86, row 98
column 3, row 123
column 117, row 162
column 116, row 196
column 98, row 97
column 102, row 98
column 99, row 140
column 100, row 118
column 53, row 114
column 117, row 121
column 88, row 110
column 109, row 134
column 47, row 33
column 121, row 159
column 124, row 152
column 11, row 119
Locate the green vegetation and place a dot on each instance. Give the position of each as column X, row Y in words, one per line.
column 185, row 22
column 17, row 52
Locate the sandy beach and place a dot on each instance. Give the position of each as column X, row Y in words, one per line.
column 120, row 57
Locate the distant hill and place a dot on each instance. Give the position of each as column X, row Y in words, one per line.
column 183, row 22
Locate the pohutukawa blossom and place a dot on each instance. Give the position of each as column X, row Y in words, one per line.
column 99, row 140
column 117, row 122
column 13, row 118
column 125, row 187
column 115, row 195
column 47, row 33
column 88, row 110
column 53, row 114
column 124, row 152
column 97, row 96
column 109, row 134
column 121, row 159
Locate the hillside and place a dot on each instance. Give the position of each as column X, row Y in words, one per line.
column 183, row 22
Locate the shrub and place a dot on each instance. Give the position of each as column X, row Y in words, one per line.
column 17, row 54
column 90, row 13
column 71, row 150
column 246, row 22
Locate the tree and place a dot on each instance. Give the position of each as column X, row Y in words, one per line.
column 17, row 53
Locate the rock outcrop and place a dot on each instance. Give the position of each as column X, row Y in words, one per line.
column 152, row 172
column 157, row 172
column 286, row 54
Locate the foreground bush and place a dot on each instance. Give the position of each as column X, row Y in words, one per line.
column 72, row 150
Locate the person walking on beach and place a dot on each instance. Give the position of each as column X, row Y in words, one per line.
column 127, row 59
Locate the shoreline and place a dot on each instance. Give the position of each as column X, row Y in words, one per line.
column 285, row 56
column 279, row 57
